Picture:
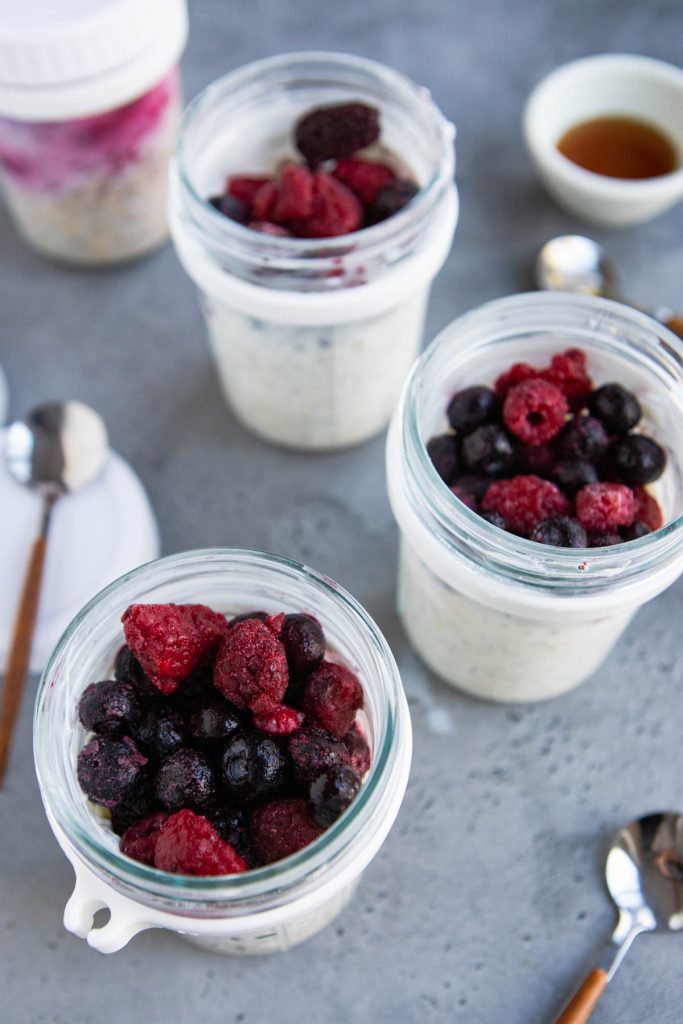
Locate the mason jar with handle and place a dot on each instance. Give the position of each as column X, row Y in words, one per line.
column 312, row 338
column 266, row 909
column 497, row 615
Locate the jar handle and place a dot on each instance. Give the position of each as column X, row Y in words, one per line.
column 89, row 896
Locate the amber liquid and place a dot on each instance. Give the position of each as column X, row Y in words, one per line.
column 620, row 147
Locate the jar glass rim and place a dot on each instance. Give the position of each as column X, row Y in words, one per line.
column 257, row 882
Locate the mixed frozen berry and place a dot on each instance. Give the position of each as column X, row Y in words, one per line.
column 221, row 745
column 339, row 188
column 546, row 455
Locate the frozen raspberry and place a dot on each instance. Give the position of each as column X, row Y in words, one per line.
column 330, row 794
column 294, row 194
column 188, row 844
column 244, row 189
column 465, row 497
column 263, row 203
column 535, row 411
column 251, row 766
column 443, row 451
column 647, row 509
column 524, row 501
column 573, row 474
column 616, row 407
column 304, row 643
column 471, row 407
column 213, row 720
column 282, row 827
column 140, row 840
column 334, row 211
column 475, row 484
column 170, row 640
column 332, row 696
column 335, row 132
column 161, row 730
column 488, row 450
column 560, row 532
column 266, row 227
column 184, row 779
column 391, row 200
column 108, row 706
column 281, row 721
column 568, row 371
column 365, row 179
column 109, row 769
column 231, row 208
column 583, row 438
column 251, row 667
column 138, row 803
column 359, row 751
column 601, row 508
column 604, row 540
column 232, row 825
column 515, row 375
column 637, row 459
column 313, row 751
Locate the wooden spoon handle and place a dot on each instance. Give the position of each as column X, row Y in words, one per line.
column 582, row 1004
column 20, row 651
column 675, row 324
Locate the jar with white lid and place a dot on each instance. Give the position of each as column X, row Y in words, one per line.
column 267, row 909
column 497, row 615
column 90, row 101
column 312, row 338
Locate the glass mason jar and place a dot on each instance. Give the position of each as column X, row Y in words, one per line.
column 266, row 909
column 497, row 615
column 312, row 338
column 90, row 103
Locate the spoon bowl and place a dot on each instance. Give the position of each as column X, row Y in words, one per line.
column 575, row 263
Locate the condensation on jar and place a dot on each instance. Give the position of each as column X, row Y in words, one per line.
column 89, row 110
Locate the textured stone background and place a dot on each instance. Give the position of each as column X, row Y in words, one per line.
column 487, row 901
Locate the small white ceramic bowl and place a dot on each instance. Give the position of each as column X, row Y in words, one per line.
column 613, row 84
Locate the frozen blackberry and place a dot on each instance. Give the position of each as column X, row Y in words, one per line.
column 109, row 706
column 470, row 408
column 109, row 769
column 618, row 409
column 251, row 766
column 313, row 751
column 390, row 200
column 333, row 132
column 184, row 779
column 304, row 643
column 331, row 793
column 637, row 459
column 584, row 438
column 443, row 451
column 560, row 532
column 573, row 474
column 214, row 720
column 231, row 208
column 488, row 450
column 161, row 730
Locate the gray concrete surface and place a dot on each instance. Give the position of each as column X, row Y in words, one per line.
column 487, row 901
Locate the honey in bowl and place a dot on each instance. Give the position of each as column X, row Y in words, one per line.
column 620, row 147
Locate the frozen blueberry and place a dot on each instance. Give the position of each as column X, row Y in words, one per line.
column 135, row 805
column 313, row 751
column 488, row 450
column 161, row 730
column 194, row 691
column 127, row 669
column 495, row 519
column 472, row 407
column 251, row 766
column 573, row 474
column 232, row 825
column 184, row 780
column 304, row 643
column 231, row 208
column 109, row 706
column 636, row 530
column 261, row 616
column 331, row 793
column 473, row 483
column 637, row 459
column 583, row 438
column 109, row 769
column 560, row 532
column 616, row 407
column 443, row 451
column 214, row 720
column 391, row 199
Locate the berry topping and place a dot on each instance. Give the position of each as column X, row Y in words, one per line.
column 602, row 508
column 282, row 721
column 391, row 200
column 488, row 450
column 161, row 730
column 524, row 501
column 294, row 194
column 637, row 459
column 560, row 532
column 139, row 840
column 359, row 751
column 573, row 474
column 213, row 720
column 618, row 409
column 184, row 779
column 252, row 765
column 334, row 210
column 232, row 825
column 515, row 375
column 244, row 189
column 470, row 408
column 443, row 451
column 108, row 706
column 647, row 509
column 170, row 640
column 231, row 208
column 332, row 696
column 263, row 203
column 334, row 132
column 304, row 643
column 330, row 794
column 583, row 438
column 366, row 180
column 568, row 371
column 535, row 411
column 251, row 666
column 188, row 844
column 282, row 827
column 313, row 752
column 109, row 769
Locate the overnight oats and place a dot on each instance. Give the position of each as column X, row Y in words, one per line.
column 313, row 203
column 222, row 744
column 89, row 112
column 533, row 466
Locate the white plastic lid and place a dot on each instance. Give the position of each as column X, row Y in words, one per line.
column 96, row 535
column 69, row 58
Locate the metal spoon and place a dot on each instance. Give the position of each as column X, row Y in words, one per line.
column 644, row 872
column 59, row 447
column 574, row 263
